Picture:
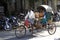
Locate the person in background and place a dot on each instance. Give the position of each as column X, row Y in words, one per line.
column 42, row 17
column 37, row 21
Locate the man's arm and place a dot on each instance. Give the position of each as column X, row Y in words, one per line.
column 26, row 15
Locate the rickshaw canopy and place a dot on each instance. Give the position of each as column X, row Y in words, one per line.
column 47, row 8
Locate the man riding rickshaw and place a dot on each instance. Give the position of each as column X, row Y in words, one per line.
column 41, row 19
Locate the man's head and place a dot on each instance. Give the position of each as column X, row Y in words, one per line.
column 30, row 8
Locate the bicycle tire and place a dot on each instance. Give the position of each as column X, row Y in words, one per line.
column 20, row 35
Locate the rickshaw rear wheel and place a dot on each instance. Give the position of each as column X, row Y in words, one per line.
column 20, row 32
column 51, row 28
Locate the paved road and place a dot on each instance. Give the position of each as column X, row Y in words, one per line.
column 10, row 35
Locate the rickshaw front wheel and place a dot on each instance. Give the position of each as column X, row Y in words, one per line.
column 51, row 28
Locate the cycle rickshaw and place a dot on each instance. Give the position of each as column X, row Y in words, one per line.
column 50, row 26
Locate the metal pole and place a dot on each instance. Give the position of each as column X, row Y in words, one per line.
column 24, row 6
column 54, row 5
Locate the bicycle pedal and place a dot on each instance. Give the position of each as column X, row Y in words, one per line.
column 30, row 30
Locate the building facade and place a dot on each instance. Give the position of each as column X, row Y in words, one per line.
column 35, row 3
column 11, row 6
column 58, row 5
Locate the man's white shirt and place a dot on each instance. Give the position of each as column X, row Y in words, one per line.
column 30, row 14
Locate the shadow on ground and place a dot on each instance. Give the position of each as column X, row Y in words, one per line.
column 57, row 39
column 10, row 35
column 27, row 37
column 24, row 38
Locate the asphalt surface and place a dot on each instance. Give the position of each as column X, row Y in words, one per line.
column 44, row 35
